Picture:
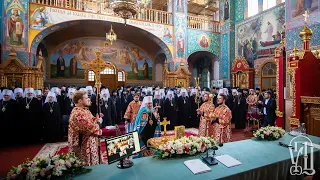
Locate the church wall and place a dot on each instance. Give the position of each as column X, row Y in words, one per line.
column 121, row 53
column 18, row 11
column 256, row 40
column 203, row 41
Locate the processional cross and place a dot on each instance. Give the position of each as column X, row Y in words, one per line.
column 197, row 99
column 97, row 66
column 164, row 123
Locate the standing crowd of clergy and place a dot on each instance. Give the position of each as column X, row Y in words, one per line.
column 36, row 115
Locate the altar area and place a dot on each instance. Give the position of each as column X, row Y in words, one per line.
column 260, row 160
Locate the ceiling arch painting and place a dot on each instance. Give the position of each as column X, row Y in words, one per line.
column 42, row 17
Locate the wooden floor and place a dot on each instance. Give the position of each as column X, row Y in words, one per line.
column 15, row 155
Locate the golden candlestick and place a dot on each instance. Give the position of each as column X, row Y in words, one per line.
column 197, row 99
column 164, row 123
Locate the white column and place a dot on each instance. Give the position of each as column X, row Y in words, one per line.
column 216, row 70
column 170, row 6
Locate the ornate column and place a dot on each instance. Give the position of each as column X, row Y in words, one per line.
column 228, row 39
column 280, row 63
column 180, row 12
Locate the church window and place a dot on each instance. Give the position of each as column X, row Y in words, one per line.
column 90, row 76
column 252, row 7
column 121, row 76
column 268, row 76
column 267, row 4
column 108, row 71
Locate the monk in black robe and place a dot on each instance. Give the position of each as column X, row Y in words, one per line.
column 52, row 119
column 184, row 108
column 195, row 103
column 158, row 103
column 124, row 101
column 107, row 109
column 117, row 105
column 239, row 111
column 32, row 121
column 7, row 118
column 170, row 110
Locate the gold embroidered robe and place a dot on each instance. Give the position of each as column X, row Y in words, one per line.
column 82, row 121
column 252, row 101
column 205, row 127
column 223, row 129
column 131, row 114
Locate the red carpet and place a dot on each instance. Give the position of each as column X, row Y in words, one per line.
column 12, row 156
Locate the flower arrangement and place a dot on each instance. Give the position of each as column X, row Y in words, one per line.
column 61, row 165
column 185, row 146
column 269, row 133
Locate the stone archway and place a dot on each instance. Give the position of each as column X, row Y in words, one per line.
column 205, row 65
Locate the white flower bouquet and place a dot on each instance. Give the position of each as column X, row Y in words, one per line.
column 269, row 133
column 185, row 146
column 61, row 165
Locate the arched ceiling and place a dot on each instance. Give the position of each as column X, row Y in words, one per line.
column 200, row 55
column 99, row 29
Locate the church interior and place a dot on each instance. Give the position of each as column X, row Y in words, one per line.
column 256, row 61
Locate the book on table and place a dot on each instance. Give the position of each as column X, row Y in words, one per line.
column 196, row 166
column 228, row 160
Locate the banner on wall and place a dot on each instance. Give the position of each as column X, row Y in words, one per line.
column 42, row 17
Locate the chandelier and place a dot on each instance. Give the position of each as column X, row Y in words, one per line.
column 111, row 36
column 126, row 9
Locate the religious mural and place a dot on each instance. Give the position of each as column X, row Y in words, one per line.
column 65, row 61
column 180, row 37
column 296, row 9
column 258, row 37
column 16, row 31
column 180, row 6
column 205, row 42
column 41, row 17
column 226, row 10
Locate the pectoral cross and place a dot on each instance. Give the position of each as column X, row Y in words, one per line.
column 164, row 123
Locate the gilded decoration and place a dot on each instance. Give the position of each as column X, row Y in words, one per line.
column 181, row 77
column 310, row 100
column 292, row 89
column 15, row 74
column 279, row 114
column 315, row 109
column 241, row 72
column 294, row 121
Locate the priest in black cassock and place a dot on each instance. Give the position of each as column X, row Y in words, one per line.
column 183, row 108
column 18, row 94
column 107, row 109
column 158, row 103
column 93, row 98
column 170, row 110
column 131, row 95
column 52, row 119
column 124, row 100
column 31, row 122
column 68, row 102
column 117, row 104
column 239, row 111
column 7, row 117
column 194, row 100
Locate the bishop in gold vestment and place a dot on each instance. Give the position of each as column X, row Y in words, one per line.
column 252, row 100
column 205, row 126
column 223, row 115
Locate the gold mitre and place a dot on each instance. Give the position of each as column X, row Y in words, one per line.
column 210, row 96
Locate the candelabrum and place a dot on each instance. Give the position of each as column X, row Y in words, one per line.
column 198, row 98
